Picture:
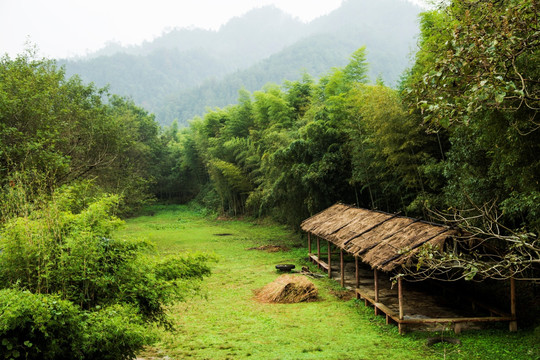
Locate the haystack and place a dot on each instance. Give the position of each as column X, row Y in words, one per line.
column 288, row 289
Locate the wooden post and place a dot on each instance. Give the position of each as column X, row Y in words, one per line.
column 357, row 275
column 400, row 298
column 513, row 323
column 376, row 281
column 309, row 244
column 342, row 268
column 318, row 252
column 329, row 259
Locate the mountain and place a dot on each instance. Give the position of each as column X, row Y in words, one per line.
column 184, row 71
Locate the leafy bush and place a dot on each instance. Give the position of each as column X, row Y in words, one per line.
column 183, row 267
column 34, row 326
column 115, row 332
column 86, row 295
column 38, row 326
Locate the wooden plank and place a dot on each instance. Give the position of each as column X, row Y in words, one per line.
column 379, row 306
column 455, row 320
column 395, row 316
column 387, row 311
column 318, row 261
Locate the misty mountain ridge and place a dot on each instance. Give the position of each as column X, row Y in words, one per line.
column 184, row 71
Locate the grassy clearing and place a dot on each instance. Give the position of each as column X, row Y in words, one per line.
column 225, row 321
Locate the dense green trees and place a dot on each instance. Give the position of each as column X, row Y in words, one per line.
column 72, row 157
column 54, row 131
column 460, row 134
column 290, row 151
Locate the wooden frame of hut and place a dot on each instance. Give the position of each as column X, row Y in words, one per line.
column 385, row 242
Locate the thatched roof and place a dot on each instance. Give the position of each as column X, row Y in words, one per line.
column 384, row 241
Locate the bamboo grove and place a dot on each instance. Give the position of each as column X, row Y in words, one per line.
column 458, row 141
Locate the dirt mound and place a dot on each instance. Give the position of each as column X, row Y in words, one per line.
column 270, row 248
column 288, row 289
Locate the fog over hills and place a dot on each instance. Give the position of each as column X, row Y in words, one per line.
column 184, row 71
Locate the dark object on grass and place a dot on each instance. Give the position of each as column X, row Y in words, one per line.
column 435, row 340
column 285, row 267
column 223, row 234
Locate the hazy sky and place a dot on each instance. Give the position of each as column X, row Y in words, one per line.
column 62, row 28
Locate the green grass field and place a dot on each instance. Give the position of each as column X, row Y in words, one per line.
column 224, row 321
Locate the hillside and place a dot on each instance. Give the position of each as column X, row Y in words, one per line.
column 184, row 71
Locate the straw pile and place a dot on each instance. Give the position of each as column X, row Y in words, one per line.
column 288, row 289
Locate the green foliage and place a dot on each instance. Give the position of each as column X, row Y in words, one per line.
column 294, row 150
column 473, row 80
column 86, row 295
column 191, row 266
column 482, row 55
column 54, row 131
column 39, row 326
column 473, row 76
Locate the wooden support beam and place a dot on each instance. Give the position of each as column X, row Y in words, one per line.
column 318, row 251
column 456, row 320
column 400, row 298
column 513, row 323
column 309, row 243
column 318, row 261
column 376, row 283
column 342, row 267
column 357, row 276
column 329, row 260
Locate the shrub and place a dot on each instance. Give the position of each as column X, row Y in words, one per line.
column 115, row 332
column 105, row 290
column 35, row 326
column 38, row 326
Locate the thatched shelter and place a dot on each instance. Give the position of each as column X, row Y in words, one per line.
column 385, row 242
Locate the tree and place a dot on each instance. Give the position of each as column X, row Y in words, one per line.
column 475, row 77
column 483, row 54
column 54, row 131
